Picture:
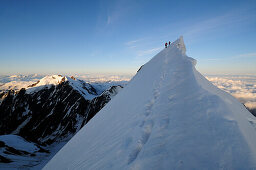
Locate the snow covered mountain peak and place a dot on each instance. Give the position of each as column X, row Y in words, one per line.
column 168, row 117
column 46, row 81
column 50, row 80
column 85, row 89
column 179, row 43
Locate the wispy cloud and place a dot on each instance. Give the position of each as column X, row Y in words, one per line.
column 246, row 55
column 114, row 14
column 148, row 51
column 142, row 49
column 118, row 11
column 213, row 59
column 110, row 19
column 229, row 19
column 111, row 14
column 239, row 56
column 142, row 56
column 133, row 42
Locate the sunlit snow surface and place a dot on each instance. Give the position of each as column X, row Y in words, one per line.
column 168, row 117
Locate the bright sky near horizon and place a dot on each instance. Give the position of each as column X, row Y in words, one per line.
column 64, row 36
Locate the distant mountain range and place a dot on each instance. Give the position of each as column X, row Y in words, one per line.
column 50, row 111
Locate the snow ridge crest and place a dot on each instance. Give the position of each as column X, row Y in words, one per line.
column 179, row 43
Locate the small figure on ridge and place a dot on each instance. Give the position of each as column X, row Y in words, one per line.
column 166, row 45
column 169, row 43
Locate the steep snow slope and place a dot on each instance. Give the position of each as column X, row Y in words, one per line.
column 168, row 117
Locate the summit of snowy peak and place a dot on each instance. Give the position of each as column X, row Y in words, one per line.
column 179, row 46
column 45, row 82
column 179, row 43
column 49, row 80
column 85, row 89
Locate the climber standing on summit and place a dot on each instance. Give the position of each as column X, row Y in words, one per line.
column 166, row 45
column 169, row 43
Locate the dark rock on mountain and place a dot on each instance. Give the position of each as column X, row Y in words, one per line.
column 52, row 113
column 46, row 114
column 253, row 111
column 4, row 159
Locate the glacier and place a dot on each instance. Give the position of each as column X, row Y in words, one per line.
column 169, row 116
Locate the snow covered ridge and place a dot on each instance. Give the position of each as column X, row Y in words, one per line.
column 87, row 91
column 50, row 80
column 169, row 116
column 36, row 82
column 46, row 81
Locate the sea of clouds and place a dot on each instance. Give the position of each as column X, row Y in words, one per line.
column 241, row 87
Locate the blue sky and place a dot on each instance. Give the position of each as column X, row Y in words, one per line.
column 67, row 37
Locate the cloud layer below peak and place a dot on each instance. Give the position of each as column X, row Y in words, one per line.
column 241, row 87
